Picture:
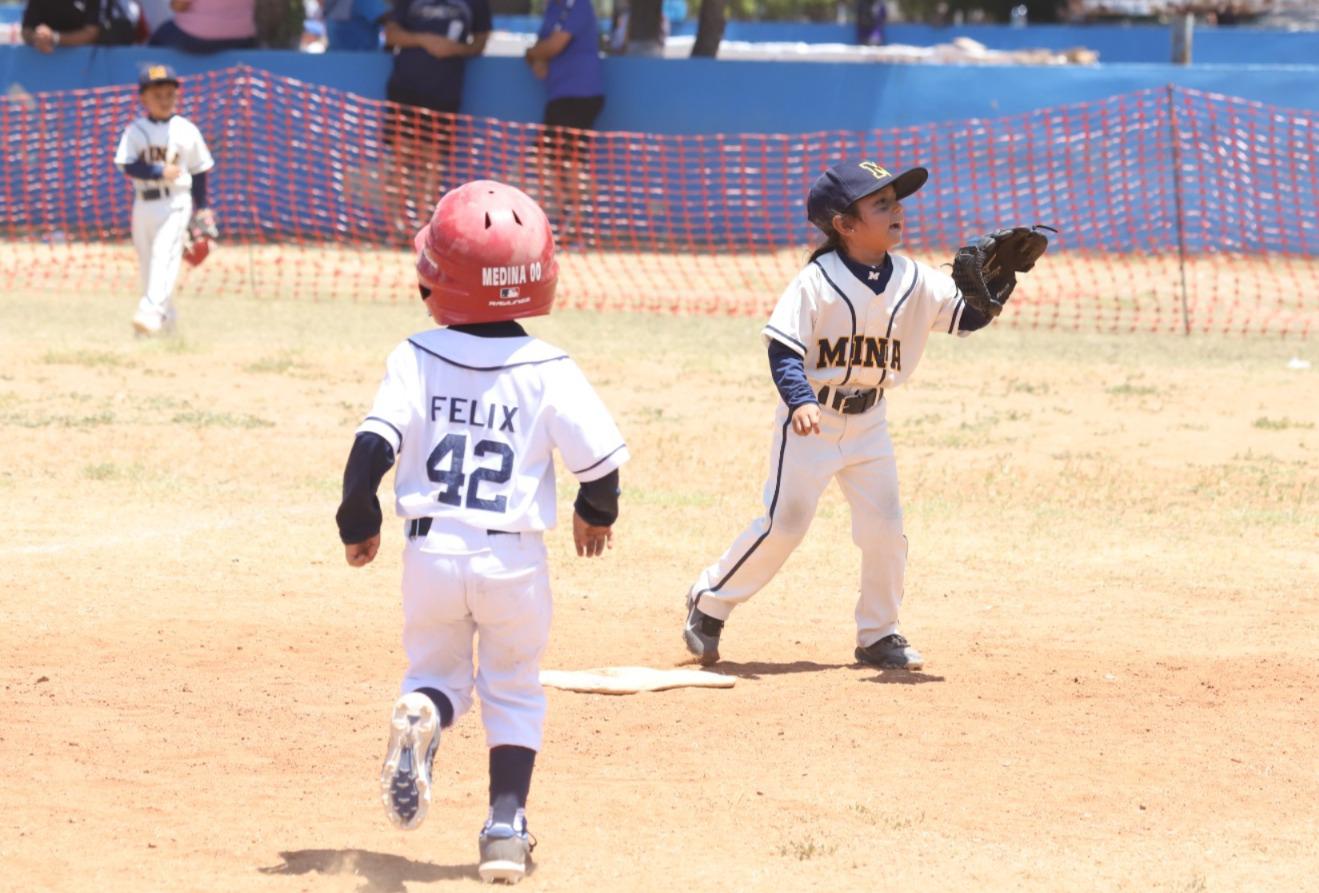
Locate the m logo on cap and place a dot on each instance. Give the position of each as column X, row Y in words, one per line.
column 157, row 71
column 878, row 172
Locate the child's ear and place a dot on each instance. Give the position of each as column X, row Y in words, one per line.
column 843, row 223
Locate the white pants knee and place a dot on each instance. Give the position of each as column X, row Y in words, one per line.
column 158, row 230
column 492, row 587
column 855, row 449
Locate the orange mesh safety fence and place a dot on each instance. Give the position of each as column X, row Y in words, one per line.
column 1177, row 210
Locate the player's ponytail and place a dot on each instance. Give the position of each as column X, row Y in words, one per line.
column 834, row 241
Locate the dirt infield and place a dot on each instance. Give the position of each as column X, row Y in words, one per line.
column 1114, row 579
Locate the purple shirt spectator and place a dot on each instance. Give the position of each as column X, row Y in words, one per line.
column 209, row 26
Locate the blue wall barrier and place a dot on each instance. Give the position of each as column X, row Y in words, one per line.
column 709, row 96
column 1149, row 171
column 1114, row 43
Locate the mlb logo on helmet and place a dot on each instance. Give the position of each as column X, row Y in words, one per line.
column 508, row 292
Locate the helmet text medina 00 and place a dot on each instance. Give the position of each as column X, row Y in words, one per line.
column 487, row 255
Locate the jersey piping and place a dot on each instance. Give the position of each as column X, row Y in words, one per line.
column 445, row 359
column 388, row 424
column 601, row 459
column 888, row 333
column 850, row 309
column 785, row 335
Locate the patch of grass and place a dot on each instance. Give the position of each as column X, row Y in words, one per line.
column 1282, row 424
column 106, row 471
column 1132, row 390
column 281, row 363
column 220, row 420
column 892, row 822
column 88, row 358
column 59, row 421
column 1027, row 387
column 671, row 498
column 807, row 848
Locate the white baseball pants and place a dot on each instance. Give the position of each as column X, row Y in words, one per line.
column 158, row 230
column 460, row 583
column 855, row 449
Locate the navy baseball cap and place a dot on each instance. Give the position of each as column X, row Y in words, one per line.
column 839, row 186
column 156, row 74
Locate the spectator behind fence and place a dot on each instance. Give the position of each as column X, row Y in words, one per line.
column 871, row 17
column 566, row 56
column 48, row 24
column 155, row 13
column 432, row 41
column 208, row 26
column 355, row 24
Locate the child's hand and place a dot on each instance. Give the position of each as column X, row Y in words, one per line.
column 806, row 419
column 171, row 172
column 589, row 539
column 359, row 554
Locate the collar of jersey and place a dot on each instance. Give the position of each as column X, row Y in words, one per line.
column 863, row 272
column 160, row 120
column 473, row 352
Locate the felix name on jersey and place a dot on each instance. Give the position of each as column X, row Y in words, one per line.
column 465, row 411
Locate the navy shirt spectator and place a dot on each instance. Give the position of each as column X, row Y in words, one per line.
column 432, row 40
column 871, row 17
column 52, row 23
column 567, row 56
column 355, row 24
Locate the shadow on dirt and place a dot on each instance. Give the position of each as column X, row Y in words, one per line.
column 756, row 669
column 900, row 677
column 380, row 872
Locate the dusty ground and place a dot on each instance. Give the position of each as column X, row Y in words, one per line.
column 1114, row 577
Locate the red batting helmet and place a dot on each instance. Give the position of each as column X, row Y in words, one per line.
column 486, row 255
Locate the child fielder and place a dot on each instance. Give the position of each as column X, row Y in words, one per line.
column 848, row 329
column 471, row 413
column 167, row 159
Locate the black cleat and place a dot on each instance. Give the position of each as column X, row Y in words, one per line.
column 892, row 652
column 701, row 633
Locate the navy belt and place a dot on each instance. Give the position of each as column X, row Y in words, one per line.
column 851, row 404
column 422, row 526
column 151, row 195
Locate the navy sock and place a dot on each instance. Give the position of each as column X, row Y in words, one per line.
column 510, row 780
column 442, row 704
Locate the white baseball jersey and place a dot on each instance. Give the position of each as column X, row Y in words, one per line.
column 176, row 141
column 473, row 422
column 848, row 336
column 850, row 339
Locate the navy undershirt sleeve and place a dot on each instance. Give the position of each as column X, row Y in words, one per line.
column 144, row 170
column 359, row 514
column 972, row 319
column 199, row 191
column 597, row 500
column 789, row 372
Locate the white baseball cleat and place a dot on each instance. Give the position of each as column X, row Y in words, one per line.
column 145, row 322
column 405, row 779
